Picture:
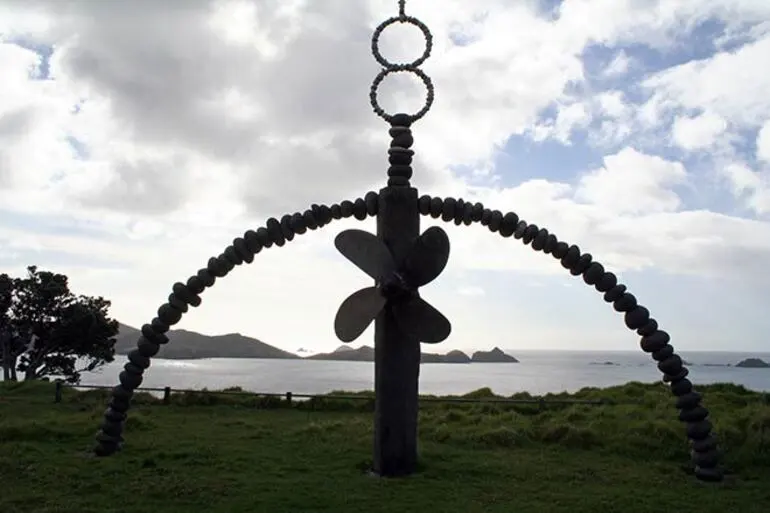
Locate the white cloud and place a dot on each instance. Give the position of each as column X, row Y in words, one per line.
column 632, row 182
column 763, row 143
column 698, row 132
column 194, row 134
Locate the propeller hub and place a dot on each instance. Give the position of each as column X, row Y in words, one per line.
column 395, row 286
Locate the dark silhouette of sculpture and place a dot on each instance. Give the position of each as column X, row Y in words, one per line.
column 400, row 260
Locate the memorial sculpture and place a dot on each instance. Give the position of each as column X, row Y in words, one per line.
column 400, row 260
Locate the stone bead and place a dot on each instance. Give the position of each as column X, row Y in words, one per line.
column 670, row 365
column 264, row 237
column 655, row 341
column 252, row 241
column 436, row 207
column 606, row 282
column 111, row 428
column 136, row 357
column 158, row 326
column 561, row 249
column 689, row 401
column 243, row 250
column 147, row 348
column 476, row 212
column 694, row 414
column 699, row 430
column 705, row 444
column 118, row 404
column 459, row 211
column 177, row 303
column 133, row 369
column 705, row 459
column 168, row 314
column 336, row 211
column 274, row 232
column 637, row 317
column 323, row 214
column 346, row 209
column 129, row 380
column 216, row 268
column 486, row 216
column 649, row 328
column 423, row 204
column 663, row 353
column 495, row 220
column 550, row 244
column 149, row 332
column 508, row 224
column 468, row 214
column 681, row 387
column 114, row 416
column 286, row 229
column 298, row 223
column 225, row 263
column 529, row 233
column 673, row 378
column 709, row 475
column 521, row 227
column 310, row 220
column 538, row 243
column 359, row 209
column 372, row 201
column 184, row 293
column 593, row 273
column 448, row 212
column 581, row 265
column 571, row 258
column 614, row 293
column 232, row 256
column 625, row 303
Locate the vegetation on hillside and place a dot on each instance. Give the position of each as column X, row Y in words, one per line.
column 232, row 453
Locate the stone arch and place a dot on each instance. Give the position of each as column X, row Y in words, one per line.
column 275, row 232
column 656, row 342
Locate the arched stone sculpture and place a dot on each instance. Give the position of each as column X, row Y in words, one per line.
column 400, row 260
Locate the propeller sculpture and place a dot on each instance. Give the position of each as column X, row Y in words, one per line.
column 401, row 260
column 395, row 289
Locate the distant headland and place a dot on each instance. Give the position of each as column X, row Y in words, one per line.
column 188, row 345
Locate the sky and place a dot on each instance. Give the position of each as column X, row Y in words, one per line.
column 139, row 139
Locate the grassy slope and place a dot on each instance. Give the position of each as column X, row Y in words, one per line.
column 220, row 454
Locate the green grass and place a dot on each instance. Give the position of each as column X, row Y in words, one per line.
column 212, row 453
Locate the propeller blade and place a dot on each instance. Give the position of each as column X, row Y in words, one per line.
column 428, row 257
column 357, row 312
column 419, row 319
column 368, row 252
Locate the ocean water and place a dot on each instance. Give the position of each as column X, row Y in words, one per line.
column 538, row 372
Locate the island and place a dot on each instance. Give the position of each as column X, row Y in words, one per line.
column 187, row 345
column 366, row 354
column 496, row 355
column 753, row 363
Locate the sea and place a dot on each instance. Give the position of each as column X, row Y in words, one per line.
column 538, row 372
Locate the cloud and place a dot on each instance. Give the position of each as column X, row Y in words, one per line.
column 173, row 142
column 632, row 182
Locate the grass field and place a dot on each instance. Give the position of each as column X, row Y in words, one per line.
column 224, row 454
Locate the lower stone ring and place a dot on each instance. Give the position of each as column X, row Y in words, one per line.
column 400, row 69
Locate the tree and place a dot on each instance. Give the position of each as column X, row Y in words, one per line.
column 46, row 330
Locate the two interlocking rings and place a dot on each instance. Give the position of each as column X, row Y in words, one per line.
column 411, row 67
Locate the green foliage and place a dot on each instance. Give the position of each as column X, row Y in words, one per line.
column 46, row 330
column 241, row 453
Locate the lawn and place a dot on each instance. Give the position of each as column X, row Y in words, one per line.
column 230, row 454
